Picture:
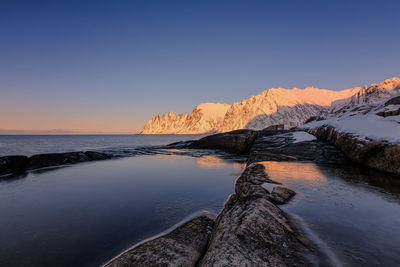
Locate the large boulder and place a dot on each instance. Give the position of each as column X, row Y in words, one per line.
column 239, row 141
column 12, row 164
column 184, row 246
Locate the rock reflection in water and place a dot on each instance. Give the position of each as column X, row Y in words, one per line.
column 355, row 212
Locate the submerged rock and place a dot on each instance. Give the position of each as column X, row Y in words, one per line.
column 239, row 141
column 281, row 195
column 252, row 231
column 12, row 164
column 184, row 246
column 55, row 159
column 284, row 146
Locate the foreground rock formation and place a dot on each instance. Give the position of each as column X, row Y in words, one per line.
column 251, row 231
column 183, row 246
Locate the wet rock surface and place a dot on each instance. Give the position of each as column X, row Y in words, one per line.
column 184, row 246
column 380, row 155
column 239, row 141
column 281, row 195
column 282, row 146
column 252, row 231
column 12, row 164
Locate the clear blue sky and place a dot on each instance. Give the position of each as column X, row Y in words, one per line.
column 110, row 65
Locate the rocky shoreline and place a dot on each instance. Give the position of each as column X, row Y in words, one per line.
column 251, row 230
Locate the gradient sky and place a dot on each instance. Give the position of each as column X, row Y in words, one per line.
column 108, row 66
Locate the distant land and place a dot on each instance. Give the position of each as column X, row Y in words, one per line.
column 51, row 132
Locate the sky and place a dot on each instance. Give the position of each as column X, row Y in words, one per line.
column 109, row 66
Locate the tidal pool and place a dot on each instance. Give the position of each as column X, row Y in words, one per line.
column 352, row 214
column 85, row 214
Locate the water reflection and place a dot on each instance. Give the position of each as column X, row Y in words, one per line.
column 354, row 211
column 87, row 213
column 295, row 172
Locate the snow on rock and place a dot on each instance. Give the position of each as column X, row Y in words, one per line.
column 302, row 137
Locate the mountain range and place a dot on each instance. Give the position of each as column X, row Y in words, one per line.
column 288, row 107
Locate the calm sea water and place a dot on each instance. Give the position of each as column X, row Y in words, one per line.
column 36, row 144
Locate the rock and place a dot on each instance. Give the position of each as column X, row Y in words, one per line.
column 55, row 159
column 249, row 183
column 393, row 101
column 252, row 231
column 281, row 195
column 282, row 146
column 274, row 127
column 376, row 154
column 92, row 155
column 182, row 247
column 12, row 164
column 315, row 118
column 238, row 141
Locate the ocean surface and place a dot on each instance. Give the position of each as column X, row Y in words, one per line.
column 37, row 144
column 85, row 214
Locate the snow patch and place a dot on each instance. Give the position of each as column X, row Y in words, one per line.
column 303, row 137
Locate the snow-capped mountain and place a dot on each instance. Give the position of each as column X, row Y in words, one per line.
column 369, row 95
column 204, row 118
column 290, row 107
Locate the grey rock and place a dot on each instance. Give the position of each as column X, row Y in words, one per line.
column 281, row 195
column 280, row 146
column 393, row 101
column 239, row 141
column 12, row 164
column 182, row 247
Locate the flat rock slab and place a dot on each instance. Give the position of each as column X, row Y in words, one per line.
column 283, row 146
column 281, row 195
column 184, row 246
column 239, row 141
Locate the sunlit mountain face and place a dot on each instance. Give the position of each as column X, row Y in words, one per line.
column 290, row 107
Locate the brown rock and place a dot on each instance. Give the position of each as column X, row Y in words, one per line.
column 281, row 195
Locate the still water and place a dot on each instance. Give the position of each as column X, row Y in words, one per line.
column 85, row 214
column 352, row 214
